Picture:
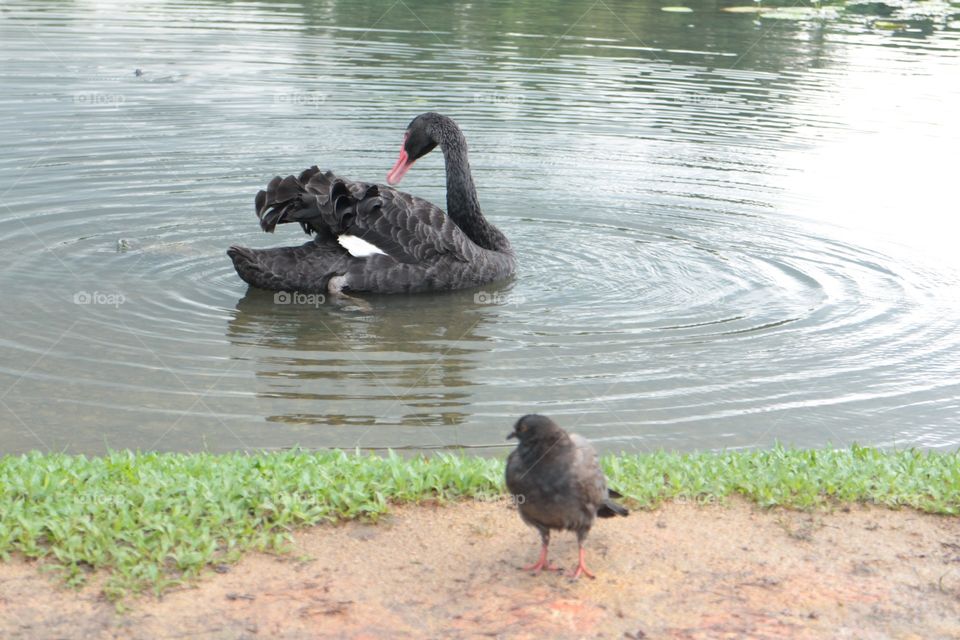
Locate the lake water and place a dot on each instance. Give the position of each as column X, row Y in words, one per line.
column 732, row 229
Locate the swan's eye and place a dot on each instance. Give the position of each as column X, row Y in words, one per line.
column 418, row 144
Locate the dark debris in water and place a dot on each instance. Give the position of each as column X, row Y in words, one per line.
column 871, row 8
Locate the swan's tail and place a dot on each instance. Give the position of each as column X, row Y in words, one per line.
column 304, row 269
column 320, row 201
column 324, row 205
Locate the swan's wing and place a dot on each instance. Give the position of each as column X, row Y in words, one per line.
column 408, row 229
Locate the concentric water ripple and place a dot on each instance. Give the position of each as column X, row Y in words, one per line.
column 680, row 284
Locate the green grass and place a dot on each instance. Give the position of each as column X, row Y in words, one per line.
column 155, row 520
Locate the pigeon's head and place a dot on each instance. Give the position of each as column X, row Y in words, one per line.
column 536, row 428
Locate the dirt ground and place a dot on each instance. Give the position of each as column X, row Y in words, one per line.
column 682, row 571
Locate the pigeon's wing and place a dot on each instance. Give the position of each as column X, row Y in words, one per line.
column 590, row 480
column 588, row 475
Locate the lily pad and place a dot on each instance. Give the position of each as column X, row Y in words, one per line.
column 801, row 13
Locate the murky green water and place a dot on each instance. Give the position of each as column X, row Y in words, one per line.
column 732, row 229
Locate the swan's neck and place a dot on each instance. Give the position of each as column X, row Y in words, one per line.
column 462, row 203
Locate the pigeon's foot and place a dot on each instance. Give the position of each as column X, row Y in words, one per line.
column 542, row 564
column 582, row 568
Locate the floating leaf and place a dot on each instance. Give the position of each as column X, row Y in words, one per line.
column 800, row 13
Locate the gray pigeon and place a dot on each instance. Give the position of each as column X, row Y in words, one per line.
column 557, row 483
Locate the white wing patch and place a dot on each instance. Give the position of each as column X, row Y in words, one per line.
column 358, row 247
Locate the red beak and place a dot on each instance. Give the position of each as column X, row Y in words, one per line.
column 402, row 166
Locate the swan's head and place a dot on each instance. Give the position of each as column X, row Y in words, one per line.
column 423, row 134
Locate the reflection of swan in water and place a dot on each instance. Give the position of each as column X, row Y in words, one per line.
column 402, row 362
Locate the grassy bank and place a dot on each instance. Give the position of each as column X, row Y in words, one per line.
column 155, row 520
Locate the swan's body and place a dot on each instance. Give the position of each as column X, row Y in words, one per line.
column 374, row 238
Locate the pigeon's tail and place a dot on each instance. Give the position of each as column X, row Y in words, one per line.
column 609, row 508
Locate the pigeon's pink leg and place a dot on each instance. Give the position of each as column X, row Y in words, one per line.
column 582, row 568
column 542, row 564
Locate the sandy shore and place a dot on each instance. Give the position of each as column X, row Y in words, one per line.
column 682, row 571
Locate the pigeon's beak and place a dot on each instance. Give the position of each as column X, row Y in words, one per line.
column 513, row 434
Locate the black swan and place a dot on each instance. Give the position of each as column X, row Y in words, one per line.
column 370, row 237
